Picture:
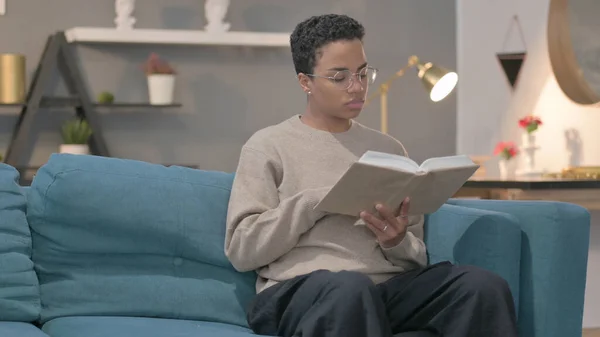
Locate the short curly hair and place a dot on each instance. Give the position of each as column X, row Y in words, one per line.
column 317, row 31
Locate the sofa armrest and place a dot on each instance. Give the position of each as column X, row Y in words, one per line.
column 554, row 259
column 487, row 239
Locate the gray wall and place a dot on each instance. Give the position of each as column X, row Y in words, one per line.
column 228, row 93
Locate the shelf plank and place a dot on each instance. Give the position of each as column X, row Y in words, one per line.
column 67, row 102
column 176, row 37
column 136, row 105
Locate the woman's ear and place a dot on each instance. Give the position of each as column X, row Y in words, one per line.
column 305, row 83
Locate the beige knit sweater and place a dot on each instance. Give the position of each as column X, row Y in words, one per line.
column 272, row 226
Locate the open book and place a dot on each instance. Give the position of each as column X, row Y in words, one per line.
column 387, row 178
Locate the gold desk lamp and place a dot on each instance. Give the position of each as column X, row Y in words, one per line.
column 439, row 82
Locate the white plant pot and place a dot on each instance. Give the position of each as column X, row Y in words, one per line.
column 503, row 168
column 528, row 140
column 506, row 169
column 529, row 148
column 74, row 148
column 161, row 88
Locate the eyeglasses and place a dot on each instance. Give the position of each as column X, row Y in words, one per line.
column 344, row 79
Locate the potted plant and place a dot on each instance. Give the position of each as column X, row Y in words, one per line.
column 75, row 134
column 161, row 80
column 506, row 151
column 106, row 97
column 530, row 124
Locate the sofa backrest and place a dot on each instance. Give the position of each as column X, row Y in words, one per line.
column 128, row 238
column 19, row 288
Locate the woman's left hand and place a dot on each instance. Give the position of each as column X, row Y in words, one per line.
column 390, row 229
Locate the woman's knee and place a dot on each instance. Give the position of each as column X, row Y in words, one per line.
column 476, row 280
column 344, row 281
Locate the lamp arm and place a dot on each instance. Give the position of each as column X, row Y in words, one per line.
column 383, row 90
column 383, row 87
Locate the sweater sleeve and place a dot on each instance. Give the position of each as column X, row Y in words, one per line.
column 260, row 227
column 411, row 251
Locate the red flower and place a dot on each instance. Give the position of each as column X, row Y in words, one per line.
column 155, row 65
column 506, row 150
column 530, row 123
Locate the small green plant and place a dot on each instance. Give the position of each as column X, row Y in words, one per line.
column 106, row 97
column 76, row 131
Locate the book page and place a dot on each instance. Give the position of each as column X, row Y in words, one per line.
column 437, row 188
column 392, row 161
column 434, row 164
column 363, row 186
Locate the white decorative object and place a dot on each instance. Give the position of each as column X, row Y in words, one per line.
column 161, row 88
column 503, row 168
column 2, row 7
column 574, row 147
column 506, row 168
column 529, row 147
column 176, row 37
column 74, row 148
column 215, row 12
column 124, row 20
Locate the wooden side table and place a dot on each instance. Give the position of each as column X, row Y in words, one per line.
column 585, row 193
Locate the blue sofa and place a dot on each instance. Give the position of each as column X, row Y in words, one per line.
column 111, row 247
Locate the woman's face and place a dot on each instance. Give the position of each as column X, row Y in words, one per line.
column 342, row 95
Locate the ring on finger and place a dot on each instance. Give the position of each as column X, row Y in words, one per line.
column 385, row 228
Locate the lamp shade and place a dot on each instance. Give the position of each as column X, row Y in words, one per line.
column 438, row 81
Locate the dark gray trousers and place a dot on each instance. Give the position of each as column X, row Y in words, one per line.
column 439, row 300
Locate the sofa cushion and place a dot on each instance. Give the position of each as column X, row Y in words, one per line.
column 19, row 288
column 20, row 329
column 140, row 327
column 127, row 238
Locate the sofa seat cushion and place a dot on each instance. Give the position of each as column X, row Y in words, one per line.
column 87, row 326
column 116, row 237
column 19, row 288
column 20, row 329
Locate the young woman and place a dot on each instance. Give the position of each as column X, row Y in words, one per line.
column 325, row 274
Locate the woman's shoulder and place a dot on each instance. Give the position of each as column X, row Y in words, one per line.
column 268, row 139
